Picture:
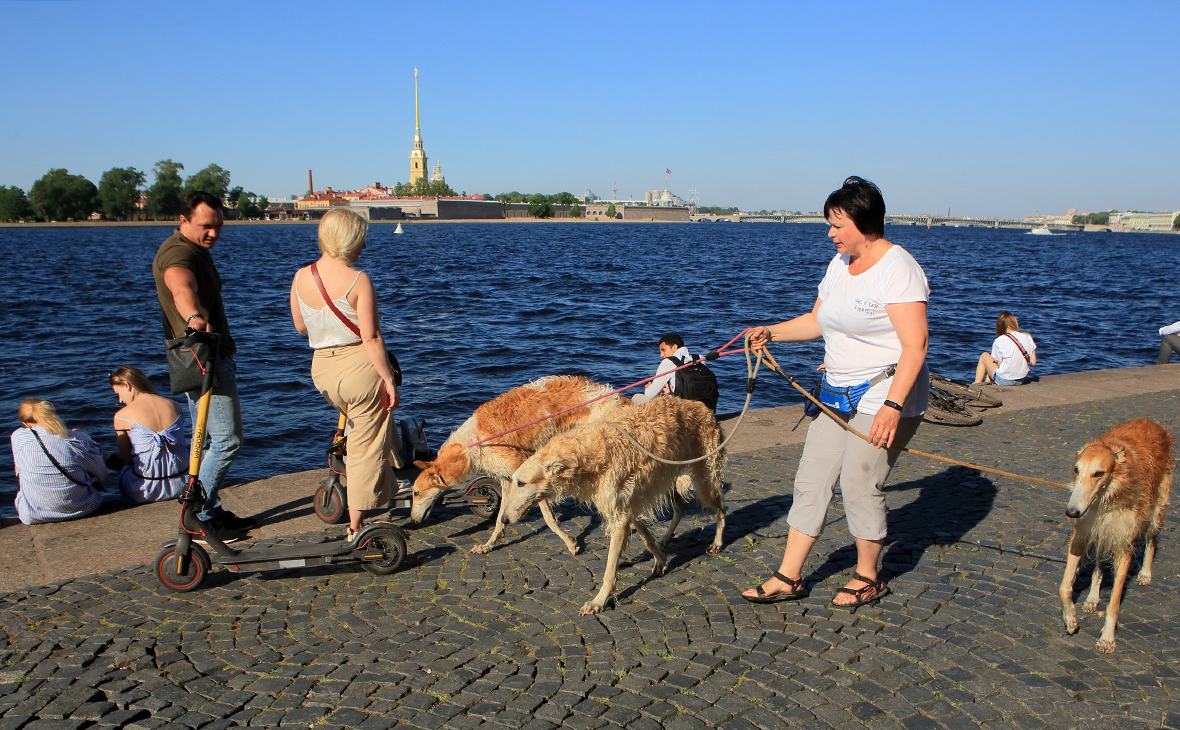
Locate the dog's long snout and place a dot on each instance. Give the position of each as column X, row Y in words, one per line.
column 1073, row 512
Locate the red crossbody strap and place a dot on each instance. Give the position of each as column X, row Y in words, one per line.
column 1018, row 347
column 315, row 274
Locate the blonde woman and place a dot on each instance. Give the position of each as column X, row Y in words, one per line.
column 57, row 469
column 1013, row 353
column 350, row 367
column 149, row 431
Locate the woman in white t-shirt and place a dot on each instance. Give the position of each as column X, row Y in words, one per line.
column 871, row 313
column 1012, row 353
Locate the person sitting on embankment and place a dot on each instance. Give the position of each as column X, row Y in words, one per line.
column 149, row 431
column 1013, row 352
column 1169, row 343
column 56, row 469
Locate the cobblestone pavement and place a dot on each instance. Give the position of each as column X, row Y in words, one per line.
column 971, row 636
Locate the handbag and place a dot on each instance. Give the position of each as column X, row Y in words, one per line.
column 393, row 363
column 187, row 360
column 843, row 400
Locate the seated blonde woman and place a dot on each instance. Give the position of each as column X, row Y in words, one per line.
column 149, row 431
column 57, row 469
column 1013, row 353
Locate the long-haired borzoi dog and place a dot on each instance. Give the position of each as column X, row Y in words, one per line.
column 1121, row 486
column 596, row 463
column 499, row 458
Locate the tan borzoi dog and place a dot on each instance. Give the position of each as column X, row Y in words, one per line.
column 499, row 458
column 1121, row 486
column 596, row 463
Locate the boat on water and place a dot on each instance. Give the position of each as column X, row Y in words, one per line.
column 398, row 230
column 1043, row 230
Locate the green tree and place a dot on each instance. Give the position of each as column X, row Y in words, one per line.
column 61, row 196
column 14, row 206
column 118, row 192
column 610, row 211
column 541, row 210
column 214, row 180
column 234, row 196
column 440, row 189
column 163, row 197
column 575, row 211
column 563, row 199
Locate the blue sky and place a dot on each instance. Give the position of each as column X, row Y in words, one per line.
column 985, row 108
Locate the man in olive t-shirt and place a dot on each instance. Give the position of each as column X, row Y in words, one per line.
column 189, row 290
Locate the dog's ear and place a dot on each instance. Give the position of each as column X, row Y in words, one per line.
column 423, row 465
column 556, row 468
column 1120, row 453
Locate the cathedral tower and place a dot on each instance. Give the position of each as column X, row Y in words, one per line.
column 418, row 165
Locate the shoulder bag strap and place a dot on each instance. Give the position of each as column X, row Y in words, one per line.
column 54, row 461
column 315, row 274
column 1027, row 359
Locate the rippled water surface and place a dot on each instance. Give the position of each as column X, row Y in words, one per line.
column 475, row 309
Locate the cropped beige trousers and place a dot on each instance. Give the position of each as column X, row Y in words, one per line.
column 832, row 453
column 347, row 379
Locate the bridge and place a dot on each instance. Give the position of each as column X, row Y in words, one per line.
column 906, row 220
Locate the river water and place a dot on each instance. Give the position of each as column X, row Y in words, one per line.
column 475, row 309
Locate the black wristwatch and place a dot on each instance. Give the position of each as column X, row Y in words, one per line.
column 893, row 405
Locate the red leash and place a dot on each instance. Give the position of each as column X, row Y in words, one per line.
column 719, row 352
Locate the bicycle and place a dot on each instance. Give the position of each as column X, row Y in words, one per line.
column 952, row 402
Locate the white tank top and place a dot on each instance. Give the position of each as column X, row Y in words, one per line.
column 324, row 328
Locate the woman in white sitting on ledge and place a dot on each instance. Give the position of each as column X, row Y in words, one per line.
column 1012, row 353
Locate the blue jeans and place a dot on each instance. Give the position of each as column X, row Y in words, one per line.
column 1004, row 381
column 224, row 430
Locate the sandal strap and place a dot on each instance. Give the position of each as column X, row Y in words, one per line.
column 876, row 585
column 871, row 581
column 795, row 583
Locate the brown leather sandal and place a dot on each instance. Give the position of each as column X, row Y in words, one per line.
column 797, row 591
column 877, row 586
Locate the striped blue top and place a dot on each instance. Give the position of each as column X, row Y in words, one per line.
column 46, row 495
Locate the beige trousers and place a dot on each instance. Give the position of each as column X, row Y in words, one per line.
column 347, row 379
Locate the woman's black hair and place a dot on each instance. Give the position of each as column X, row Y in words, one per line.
column 861, row 201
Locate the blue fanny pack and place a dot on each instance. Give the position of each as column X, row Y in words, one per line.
column 843, row 400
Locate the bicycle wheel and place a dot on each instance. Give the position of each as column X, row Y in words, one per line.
column 972, row 394
column 952, row 416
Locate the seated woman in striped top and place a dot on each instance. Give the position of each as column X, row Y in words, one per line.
column 149, row 430
column 57, row 470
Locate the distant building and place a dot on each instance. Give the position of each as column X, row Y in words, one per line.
column 663, row 198
column 418, row 163
column 1160, row 221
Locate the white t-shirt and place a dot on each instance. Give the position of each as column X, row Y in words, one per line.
column 668, row 378
column 859, row 339
column 1012, row 364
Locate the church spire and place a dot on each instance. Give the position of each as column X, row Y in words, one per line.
column 418, row 163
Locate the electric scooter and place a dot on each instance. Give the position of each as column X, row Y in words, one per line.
column 481, row 494
column 181, row 566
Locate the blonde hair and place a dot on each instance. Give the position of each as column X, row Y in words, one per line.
column 133, row 377
column 40, row 412
column 1005, row 323
column 341, row 234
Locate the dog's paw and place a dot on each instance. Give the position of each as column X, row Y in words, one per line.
column 575, row 550
column 1090, row 606
column 659, row 568
column 713, row 549
column 1143, row 579
column 480, row 549
column 591, row 607
column 1106, row 646
column 1071, row 624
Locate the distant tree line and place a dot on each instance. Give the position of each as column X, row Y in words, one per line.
column 540, row 204
column 424, row 187
column 715, row 210
column 1094, row 219
column 60, row 196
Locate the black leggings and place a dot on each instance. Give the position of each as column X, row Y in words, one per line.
column 1168, row 345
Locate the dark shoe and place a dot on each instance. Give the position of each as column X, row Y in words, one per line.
column 794, row 594
column 217, row 528
column 233, row 522
column 871, row 592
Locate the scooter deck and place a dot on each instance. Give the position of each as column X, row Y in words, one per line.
column 293, row 556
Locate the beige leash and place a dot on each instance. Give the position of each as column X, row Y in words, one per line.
column 771, row 363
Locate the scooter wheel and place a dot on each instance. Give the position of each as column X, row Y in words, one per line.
column 331, row 505
column 486, row 488
column 172, row 580
column 384, row 552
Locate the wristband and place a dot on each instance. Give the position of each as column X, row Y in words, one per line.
column 193, row 316
column 893, row 405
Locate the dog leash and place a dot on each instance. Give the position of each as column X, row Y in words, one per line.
column 774, row 366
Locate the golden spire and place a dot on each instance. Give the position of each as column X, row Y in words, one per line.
column 417, row 122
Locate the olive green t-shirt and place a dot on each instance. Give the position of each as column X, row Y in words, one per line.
column 181, row 252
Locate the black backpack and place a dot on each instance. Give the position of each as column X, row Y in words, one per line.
column 696, row 382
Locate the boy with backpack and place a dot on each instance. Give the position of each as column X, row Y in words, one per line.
column 693, row 383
